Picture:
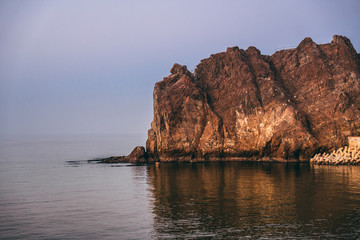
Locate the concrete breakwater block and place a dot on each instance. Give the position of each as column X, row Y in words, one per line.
column 348, row 155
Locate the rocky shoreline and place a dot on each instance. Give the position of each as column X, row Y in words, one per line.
column 348, row 155
column 240, row 105
column 144, row 160
column 138, row 155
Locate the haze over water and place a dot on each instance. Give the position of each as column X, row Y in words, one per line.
column 89, row 67
column 49, row 190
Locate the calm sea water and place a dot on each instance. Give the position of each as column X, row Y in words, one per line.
column 48, row 190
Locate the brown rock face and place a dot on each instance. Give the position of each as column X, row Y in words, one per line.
column 138, row 155
column 240, row 104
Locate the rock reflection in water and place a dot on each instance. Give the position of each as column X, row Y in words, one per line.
column 224, row 200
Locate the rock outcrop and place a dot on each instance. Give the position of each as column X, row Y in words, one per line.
column 240, row 104
column 138, row 155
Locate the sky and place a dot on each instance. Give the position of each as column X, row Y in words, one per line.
column 89, row 67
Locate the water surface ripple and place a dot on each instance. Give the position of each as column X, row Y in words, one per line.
column 48, row 190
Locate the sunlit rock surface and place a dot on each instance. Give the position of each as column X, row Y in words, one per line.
column 240, row 105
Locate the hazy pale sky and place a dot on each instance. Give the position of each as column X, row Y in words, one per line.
column 89, row 67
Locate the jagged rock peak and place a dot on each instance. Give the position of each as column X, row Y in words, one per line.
column 179, row 69
column 307, row 42
column 232, row 49
column 341, row 40
column 253, row 50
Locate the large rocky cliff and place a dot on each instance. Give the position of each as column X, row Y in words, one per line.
column 242, row 104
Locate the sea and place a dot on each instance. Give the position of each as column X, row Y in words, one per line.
column 52, row 187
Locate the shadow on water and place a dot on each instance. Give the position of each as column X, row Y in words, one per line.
column 235, row 199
